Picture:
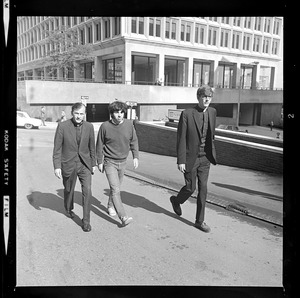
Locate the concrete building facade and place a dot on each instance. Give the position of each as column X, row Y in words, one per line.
column 158, row 62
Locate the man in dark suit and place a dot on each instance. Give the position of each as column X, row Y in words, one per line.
column 74, row 156
column 195, row 152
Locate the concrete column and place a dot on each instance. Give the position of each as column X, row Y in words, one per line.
column 161, row 68
column 98, row 69
column 189, row 71
column 127, row 67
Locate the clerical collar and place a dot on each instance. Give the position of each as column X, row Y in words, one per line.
column 200, row 110
column 77, row 124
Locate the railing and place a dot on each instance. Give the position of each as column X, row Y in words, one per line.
column 149, row 83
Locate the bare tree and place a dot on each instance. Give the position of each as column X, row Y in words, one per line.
column 64, row 47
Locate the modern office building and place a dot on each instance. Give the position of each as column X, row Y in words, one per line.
column 158, row 62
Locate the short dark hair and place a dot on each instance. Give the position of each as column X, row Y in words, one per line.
column 205, row 90
column 77, row 106
column 117, row 106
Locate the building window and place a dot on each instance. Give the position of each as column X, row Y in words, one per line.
column 247, row 76
column 74, row 21
column 236, row 36
column 247, row 22
column 256, row 43
column 167, row 35
column 225, row 76
column 141, row 25
column 174, row 72
column 201, row 73
column 214, row 19
column 246, row 42
column 151, row 27
column 224, row 38
column 276, row 26
column 113, row 70
column 275, row 47
column 89, row 34
column 82, row 36
column 97, row 31
column 173, row 35
column 225, row 20
column 133, row 25
column 116, row 26
column 212, row 36
column 185, row 31
column 267, row 27
column 264, row 77
column 257, row 25
column 199, row 34
column 158, row 27
column 107, row 28
column 143, row 70
column 266, row 45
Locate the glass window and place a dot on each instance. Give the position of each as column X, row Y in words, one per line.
column 158, row 26
column 143, row 70
column 173, row 35
column 116, row 26
column 141, row 25
column 246, row 42
column 212, row 36
column 167, row 29
column 174, row 72
column 224, row 76
column 133, row 24
column 151, row 27
column 275, row 47
column 201, row 74
column 256, row 43
column 236, row 40
column 247, row 73
column 113, row 70
column 107, row 28
column 98, row 32
column 264, row 77
column 224, row 38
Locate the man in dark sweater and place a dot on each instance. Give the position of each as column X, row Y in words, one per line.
column 116, row 138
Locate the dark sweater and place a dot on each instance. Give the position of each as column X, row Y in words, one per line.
column 115, row 141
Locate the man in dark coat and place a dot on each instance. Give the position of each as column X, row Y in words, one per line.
column 195, row 152
column 74, row 156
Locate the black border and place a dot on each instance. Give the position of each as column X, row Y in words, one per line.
column 162, row 8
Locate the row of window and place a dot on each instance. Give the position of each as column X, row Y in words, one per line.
column 92, row 32
column 264, row 24
column 144, row 70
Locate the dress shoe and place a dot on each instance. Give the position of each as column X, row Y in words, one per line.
column 86, row 228
column 202, row 226
column 70, row 214
column 176, row 206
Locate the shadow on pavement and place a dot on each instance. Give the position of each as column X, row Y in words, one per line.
column 137, row 201
column 249, row 191
column 40, row 200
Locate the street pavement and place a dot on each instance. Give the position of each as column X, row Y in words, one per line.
column 158, row 248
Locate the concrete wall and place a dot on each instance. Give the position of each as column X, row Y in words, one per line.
column 159, row 139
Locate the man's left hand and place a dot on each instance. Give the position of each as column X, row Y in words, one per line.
column 135, row 163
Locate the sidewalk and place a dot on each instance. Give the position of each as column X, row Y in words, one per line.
column 257, row 194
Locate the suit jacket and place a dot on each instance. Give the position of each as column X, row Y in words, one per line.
column 66, row 149
column 189, row 135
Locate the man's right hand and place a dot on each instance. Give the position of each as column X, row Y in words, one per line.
column 57, row 173
column 181, row 167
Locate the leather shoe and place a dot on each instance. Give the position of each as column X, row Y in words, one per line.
column 70, row 214
column 202, row 226
column 176, row 206
column 86, row 228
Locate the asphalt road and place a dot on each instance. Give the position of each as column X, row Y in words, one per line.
column 158, row 248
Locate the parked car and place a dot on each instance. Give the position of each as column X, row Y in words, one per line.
column 231, row 127
column 24, row 120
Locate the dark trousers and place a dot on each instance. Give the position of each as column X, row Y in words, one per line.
column 69, row 182
column 199, row 171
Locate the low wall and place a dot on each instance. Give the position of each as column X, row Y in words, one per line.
column 159, row 139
